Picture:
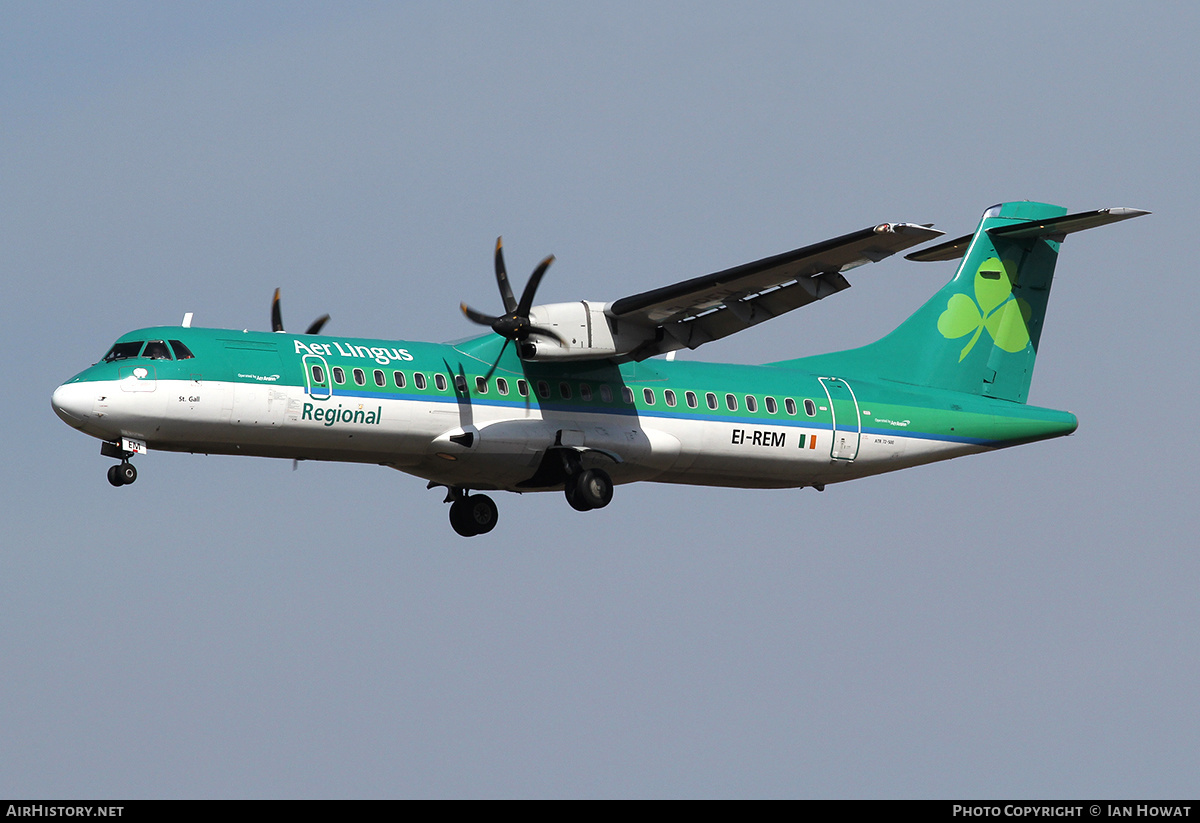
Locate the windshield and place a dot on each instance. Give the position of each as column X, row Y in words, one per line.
column 123, row 351
column 156, row 350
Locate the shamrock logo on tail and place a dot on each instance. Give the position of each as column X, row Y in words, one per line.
column 994, row 308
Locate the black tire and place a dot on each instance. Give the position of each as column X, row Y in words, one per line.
column 595, row 488
column 473, row 515
column 571, row 488
column 482, row 513
column 127, row 473
column 114, row 476
column 460, row 519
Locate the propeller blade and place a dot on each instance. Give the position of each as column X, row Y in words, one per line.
column 276, row 314
column 506, row 292
column 496, row 363
column 531, row 287
column 514, row 323
column 477, row 316
column 316, row 325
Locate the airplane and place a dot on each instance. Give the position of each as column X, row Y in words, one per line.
column 574, row 397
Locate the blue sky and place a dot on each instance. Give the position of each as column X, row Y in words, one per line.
column 1013, row 624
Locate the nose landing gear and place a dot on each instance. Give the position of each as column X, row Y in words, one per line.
column 122, row 474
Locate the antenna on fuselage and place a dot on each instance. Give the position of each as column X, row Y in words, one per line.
column 187, row 320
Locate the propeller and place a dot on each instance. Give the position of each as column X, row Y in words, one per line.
column 277, row 318
column 514, row 323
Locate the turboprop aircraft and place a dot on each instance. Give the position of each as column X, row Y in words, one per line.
column 572, row 396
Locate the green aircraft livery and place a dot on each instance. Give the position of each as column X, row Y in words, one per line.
column 573, row 396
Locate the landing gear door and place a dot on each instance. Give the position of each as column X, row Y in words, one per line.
column 847, row 422
column 316, row 377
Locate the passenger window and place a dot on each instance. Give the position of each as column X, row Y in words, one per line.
column 501, row 385
column 627, row 395
column 810, row 408
column 419, row 380
column 751, row 403
column 731, row 402
column 690, row 397
column 439, row 380
column 543, row 389
column 318, row 375
column 460, row 384
column 380, row 379
column 182, row 352
column 360, row 377
column 585, row 392
column 522, row 388
column 481, row 385
column 564, row 390
column 771, row 405
column 605, row 393
column 398, row 379
column 711, row 400
column 339, row 376
column 790, row 406
column 648, row 396
column 669, row 396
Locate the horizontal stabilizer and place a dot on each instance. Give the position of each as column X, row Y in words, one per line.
column 950, row 250
column 1066, row 225
column 1055, row 228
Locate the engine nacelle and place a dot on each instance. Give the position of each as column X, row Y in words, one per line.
column 586, row 330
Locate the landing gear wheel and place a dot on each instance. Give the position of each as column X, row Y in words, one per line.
column 122, row 474
column 483, row 513
column 592, row 489
column 571, row 489
column 473, row 515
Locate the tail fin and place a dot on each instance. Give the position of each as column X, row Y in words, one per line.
column 980, row 333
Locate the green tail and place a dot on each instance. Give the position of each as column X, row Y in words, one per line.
column 980, row 333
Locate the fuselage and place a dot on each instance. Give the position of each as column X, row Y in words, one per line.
column 474, row 415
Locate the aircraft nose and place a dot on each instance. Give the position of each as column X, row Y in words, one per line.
column 73, row 403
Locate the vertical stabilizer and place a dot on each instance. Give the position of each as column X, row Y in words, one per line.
column 980, row 333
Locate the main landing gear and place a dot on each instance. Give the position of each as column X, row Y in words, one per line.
column 472, row 514
column 587, row 490
column 122, row 474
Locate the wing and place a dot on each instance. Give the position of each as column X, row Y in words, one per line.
column 708, row 308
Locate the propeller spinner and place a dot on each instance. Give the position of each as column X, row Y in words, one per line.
column 514, row 323
column 277, row 318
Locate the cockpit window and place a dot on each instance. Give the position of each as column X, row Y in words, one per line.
column 182, row 352
column 156, row 350
column 123, row 351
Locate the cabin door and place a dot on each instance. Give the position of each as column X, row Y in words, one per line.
column 847, row 422
column 316, row 377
